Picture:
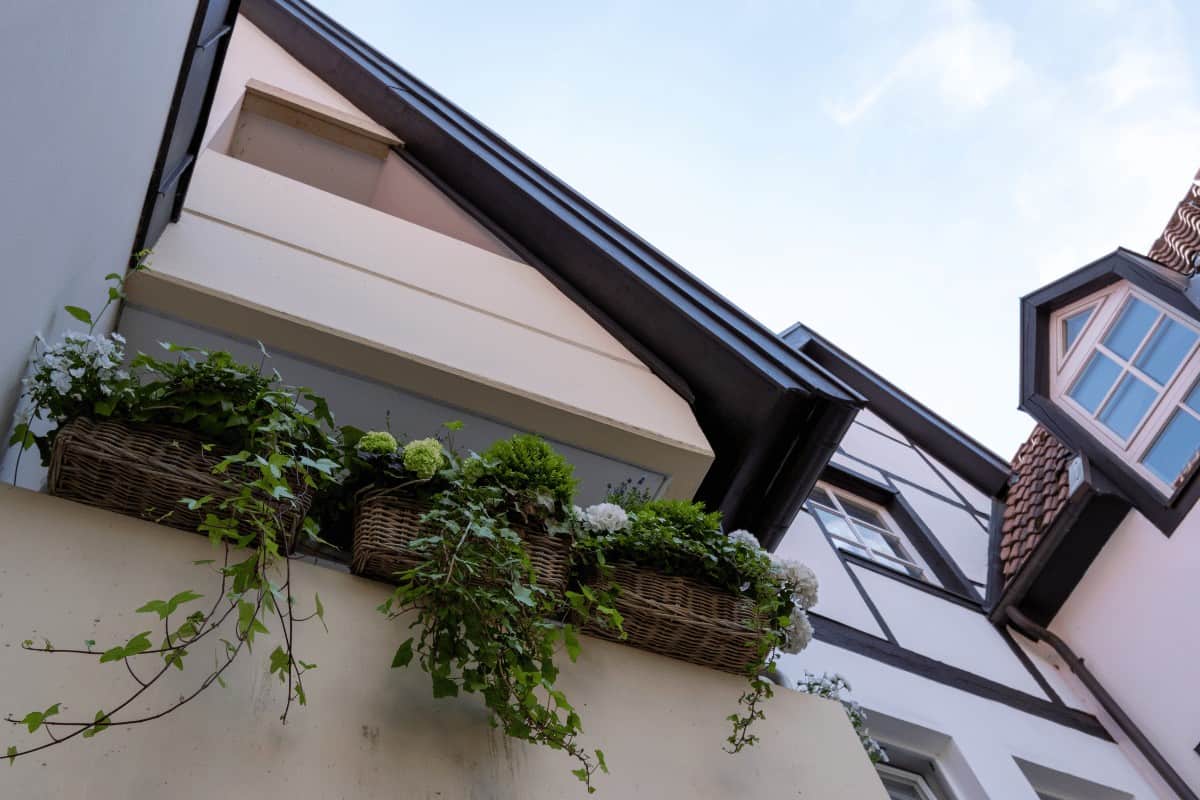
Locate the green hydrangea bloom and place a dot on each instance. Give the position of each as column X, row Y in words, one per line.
column 423, row 457
column 378, row 442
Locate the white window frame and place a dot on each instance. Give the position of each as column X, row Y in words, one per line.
column 1069, row 365
column 890, row 531
column 911, row 779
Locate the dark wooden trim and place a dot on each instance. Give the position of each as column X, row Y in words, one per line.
column 838, row 634
column 855, row 483
column 1027, row 662
column 931, row 549
column 893, row 477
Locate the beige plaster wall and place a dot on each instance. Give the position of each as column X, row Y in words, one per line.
column 1132, row 619
column 260, row 255
column 72, row 573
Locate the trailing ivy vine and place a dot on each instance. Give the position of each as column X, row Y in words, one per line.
column 484, row 624
column 274, row 446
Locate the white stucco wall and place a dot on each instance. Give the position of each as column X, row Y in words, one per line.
column 986, row 735
column 1133, row 620
column 86, row 88
column 72, row 573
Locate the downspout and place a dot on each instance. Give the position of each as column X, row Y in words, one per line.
column 1039, row 634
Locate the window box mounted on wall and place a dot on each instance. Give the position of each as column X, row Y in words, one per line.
column 1111, row 365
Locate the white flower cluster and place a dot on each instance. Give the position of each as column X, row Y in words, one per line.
column 745, row 537
column 79, row 357
column 799, row 633
column 603, row 517
column 832, row 687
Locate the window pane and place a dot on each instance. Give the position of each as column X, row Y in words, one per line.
column 901, row 566
column 1165, row 351
column 900, row 789
column 834, row 523
column 874, row 539
column 1176, row 447
column 821, row 496
column 842, row 544
column 1128, row 404
column 1074, row 325
column 1193, row 399
column 1094, row 382
column 1130, row 328
column 859, row 511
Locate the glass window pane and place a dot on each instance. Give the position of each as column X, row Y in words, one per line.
column 842, row 544
column 1165, row 351
column 1093, row 383
column 821, row 496
column 1074, row 325
column 1128, row 404
column 1193, row 399
column 1130, row 328
column 859, row 511
column 874, row 539
column 835, row 524
column 901, row 566
column 1177, row 445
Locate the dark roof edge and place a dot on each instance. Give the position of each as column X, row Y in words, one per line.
column 704, row 304
column 971, row 460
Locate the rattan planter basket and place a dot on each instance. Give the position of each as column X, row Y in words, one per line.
column 143, row 471
column 385, row 521
column 682, row 618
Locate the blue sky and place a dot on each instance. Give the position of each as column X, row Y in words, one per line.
column 893, row 174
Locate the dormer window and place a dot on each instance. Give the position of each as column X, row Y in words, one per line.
column 1126, row 369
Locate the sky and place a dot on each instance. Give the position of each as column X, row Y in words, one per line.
column 895, row 174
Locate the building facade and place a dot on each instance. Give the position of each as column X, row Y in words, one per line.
column 304, row 193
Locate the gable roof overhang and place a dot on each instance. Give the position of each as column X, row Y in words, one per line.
column 772, row 415
column 1169, row 286
column 968, row 458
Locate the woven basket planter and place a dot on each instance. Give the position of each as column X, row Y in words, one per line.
column 685, row 619
column 385, row 522
column 143, row 471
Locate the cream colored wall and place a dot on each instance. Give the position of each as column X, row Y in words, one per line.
column 265, row 257
column 400, row 189
column 1133, row 620
column 73, row 573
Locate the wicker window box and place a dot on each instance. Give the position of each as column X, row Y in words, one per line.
column 684, row 619
column 385, row 522
column 144, row 470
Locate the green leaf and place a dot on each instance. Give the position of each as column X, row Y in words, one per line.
column 138, row 644
column 600, row 759
column 571, row 641
column 99, row 724
column 522, row 594
column 33, row 720
column 444, row 687
column 204, row 561
column 22, row 436
column 280, row 662
column 12, row 755
column 112, row 654
column 453, row 425
column 89, row 643
column 321, row 611
column 403, row 655
column 80, row 314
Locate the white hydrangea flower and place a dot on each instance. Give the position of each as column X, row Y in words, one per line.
column 61, row 381
column 745, row 537
column 118, row 337
column 607, row 517
column 803, row 580
column 798, row 634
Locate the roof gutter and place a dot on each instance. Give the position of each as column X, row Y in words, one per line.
column 1076, row 664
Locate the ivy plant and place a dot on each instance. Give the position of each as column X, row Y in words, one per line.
column 483, row 623
column 275, row 443
column 682, row 538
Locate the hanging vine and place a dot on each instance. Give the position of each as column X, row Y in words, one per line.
column 274, row 448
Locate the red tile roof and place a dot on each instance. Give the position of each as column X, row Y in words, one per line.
column 1038, row 488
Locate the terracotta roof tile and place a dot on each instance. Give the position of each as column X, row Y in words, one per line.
column 1039, row 486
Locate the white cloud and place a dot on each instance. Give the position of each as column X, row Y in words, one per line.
column 967, row 60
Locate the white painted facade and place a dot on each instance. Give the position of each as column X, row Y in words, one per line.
column 979, row 747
